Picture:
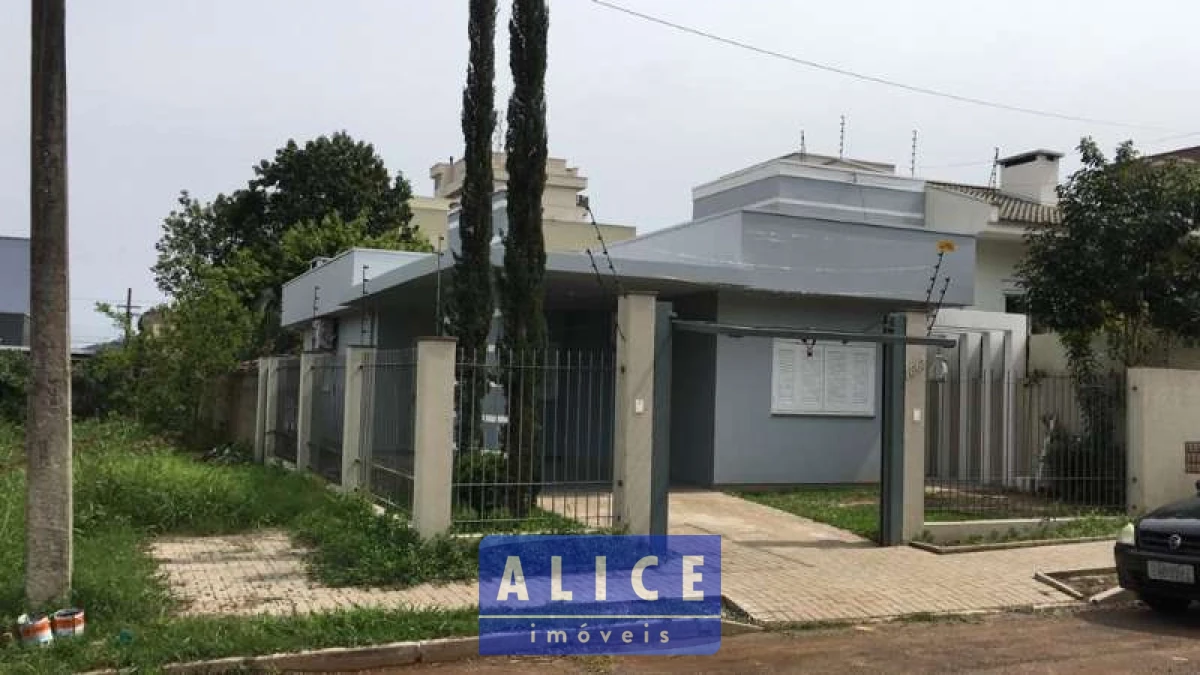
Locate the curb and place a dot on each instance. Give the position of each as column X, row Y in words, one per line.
column 349, row 659
column 1001, row 546
column 335, row 659
column 1058, row 585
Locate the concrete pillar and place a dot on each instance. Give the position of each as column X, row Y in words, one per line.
column 271, row 409
column 433, row 435
column 260, row 410
column 633, row 425
column 359, row 361
column 304, row 409
column 914, row 430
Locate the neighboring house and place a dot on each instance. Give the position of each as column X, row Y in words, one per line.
column 14, row 291
column 151, row 321
column 567, row 226
column 798, row 241
column 1186, row 155
column 1026, row 197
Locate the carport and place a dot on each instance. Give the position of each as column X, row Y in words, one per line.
column 894, row 338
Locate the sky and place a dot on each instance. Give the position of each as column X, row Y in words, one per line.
column 189, row 94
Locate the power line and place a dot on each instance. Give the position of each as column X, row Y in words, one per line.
column 871, row 78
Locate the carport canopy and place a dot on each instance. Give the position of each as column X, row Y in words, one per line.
column 893, row 338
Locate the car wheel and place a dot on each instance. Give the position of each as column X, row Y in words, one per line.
column 1166, row 604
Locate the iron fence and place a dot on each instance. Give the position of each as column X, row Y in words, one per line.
column 328, row 413
column 533, row 440
column 283, row 437
column 999, row 446
column 389, row 393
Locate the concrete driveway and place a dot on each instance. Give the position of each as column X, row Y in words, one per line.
column 781, row 568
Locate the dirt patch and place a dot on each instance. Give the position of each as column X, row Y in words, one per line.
column 1088, row 582
column 1077, row 642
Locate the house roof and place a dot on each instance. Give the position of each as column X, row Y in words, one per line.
column 1012, row 208
column 1191, row 154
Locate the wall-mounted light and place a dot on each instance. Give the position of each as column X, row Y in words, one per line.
column 941, row 370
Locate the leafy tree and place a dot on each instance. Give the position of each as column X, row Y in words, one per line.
column 166, row 380
column 334, row 190
column 471, row 302
column 1123, row 264
column 520, row 281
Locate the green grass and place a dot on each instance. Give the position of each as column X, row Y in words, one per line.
column 852, row 508
column 849, row 507
column 1078, row 528
column 541, row 521
column 131, row 485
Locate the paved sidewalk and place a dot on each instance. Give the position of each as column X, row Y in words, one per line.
column 776, row 567
column 782, row 568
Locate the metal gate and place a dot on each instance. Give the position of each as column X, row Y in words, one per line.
column 389, row 393
column 328, row 412
column 282, row 433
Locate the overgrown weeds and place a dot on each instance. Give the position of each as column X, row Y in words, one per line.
column 131, row 485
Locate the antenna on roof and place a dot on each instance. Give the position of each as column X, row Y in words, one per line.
column 912, row 162
column 316, row 305
column 363, row 333
column 995, row 164
column 438, row 297
column 842, row 139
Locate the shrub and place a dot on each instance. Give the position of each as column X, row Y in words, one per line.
column 14, row 382
column 480, row 481
column 490, row 483
column 355, row 546
column 1085, row 468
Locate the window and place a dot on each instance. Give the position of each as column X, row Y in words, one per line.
column 825, row 378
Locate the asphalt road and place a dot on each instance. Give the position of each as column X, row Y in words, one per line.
column 1127, row 639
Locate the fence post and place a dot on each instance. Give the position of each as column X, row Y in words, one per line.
column 304, row 409
column 633, row 423
column 433, row 435
column 915, row 394
column 358, row 360
column 260, row 410
column 271, row 411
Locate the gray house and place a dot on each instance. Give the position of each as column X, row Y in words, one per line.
column 798, row 241
column 14, row 291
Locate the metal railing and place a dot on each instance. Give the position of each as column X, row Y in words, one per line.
column 287, row 399
column 389, row 393
column 328, row 416
column 999, row 446
column 533, row 440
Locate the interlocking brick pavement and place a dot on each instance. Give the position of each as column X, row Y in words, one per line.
column 775, row 566
column 781, row 568
column 264, row 573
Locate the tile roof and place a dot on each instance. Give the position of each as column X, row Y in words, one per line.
column 1013, row 209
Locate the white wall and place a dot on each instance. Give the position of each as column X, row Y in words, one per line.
column 948, row 211
column 1162, row 417
column 995, row 272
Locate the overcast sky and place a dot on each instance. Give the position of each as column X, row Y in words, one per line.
column 167, row 95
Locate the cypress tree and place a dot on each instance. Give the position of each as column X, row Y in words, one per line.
column 521, row 279
column 471, row 301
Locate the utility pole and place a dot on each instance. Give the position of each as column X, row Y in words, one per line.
column 48, row 499
column 128, row 313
